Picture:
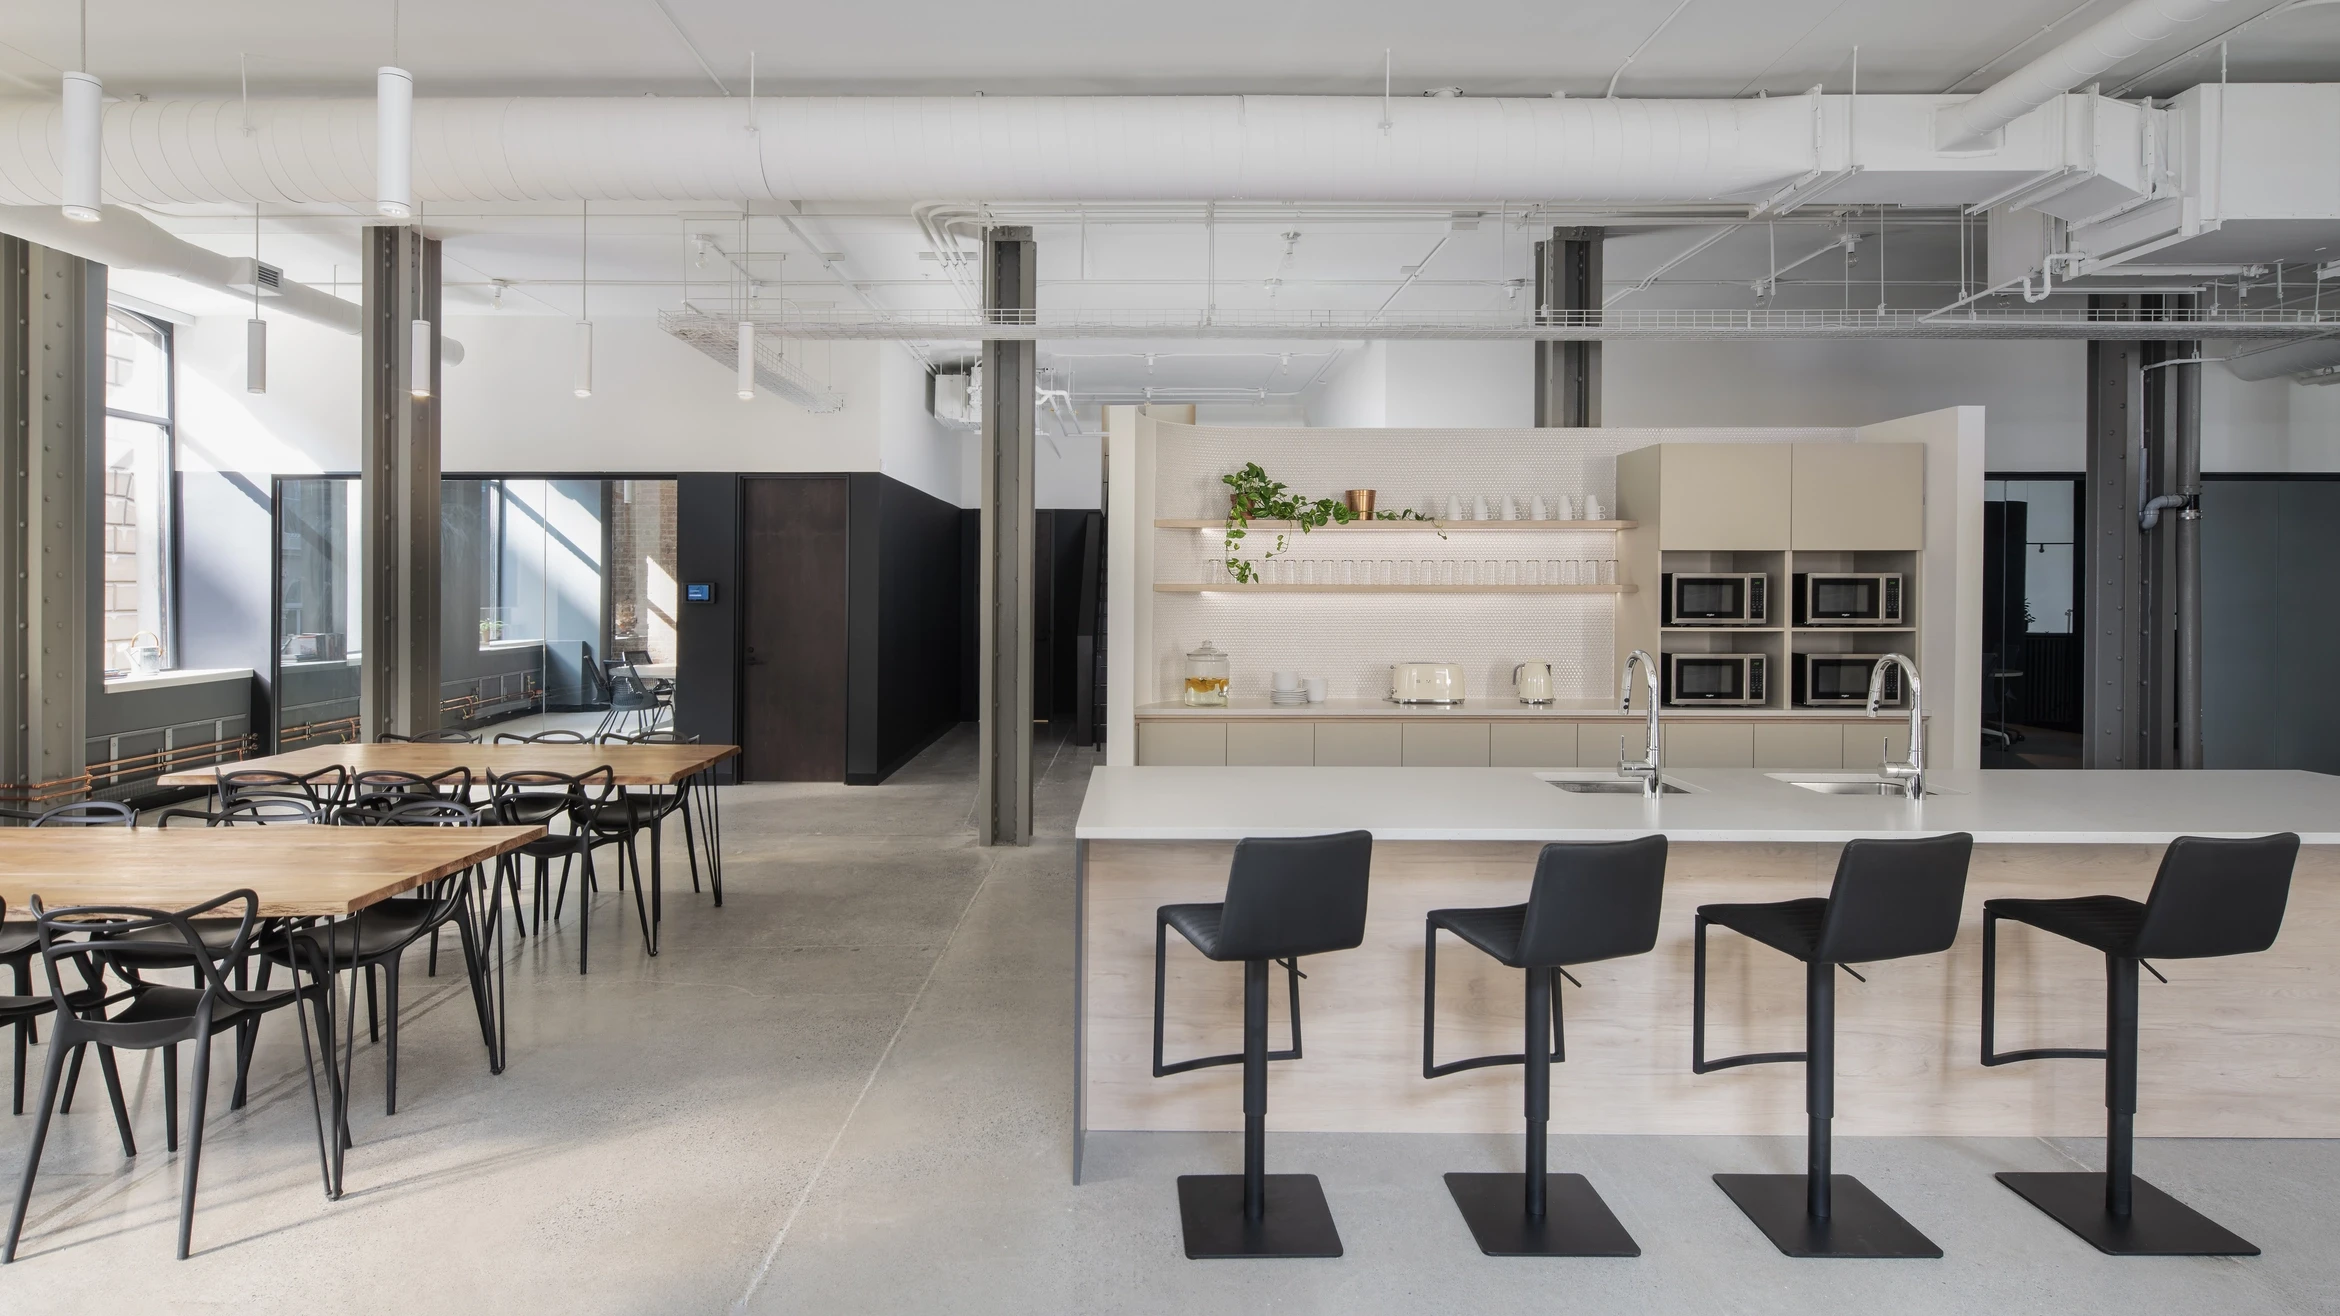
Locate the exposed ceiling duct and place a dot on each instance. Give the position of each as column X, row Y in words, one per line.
column 1101, row 148
column 2121, row 35
column 125, row 239
column 2284, row 359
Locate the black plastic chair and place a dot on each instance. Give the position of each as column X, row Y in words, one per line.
column 375, row 944
column 630, row 696
column 252, row 812
column 1892, row 899
column 559, row 736
column 377, row 784
column 694, row 814
column 543, row 799
column 2212, row 897
column 1590, row 901
column 1286, row 897
column 23, row 1008
column 158, row 1018
column 323, row 790
column 441, row 736
column 17, row 947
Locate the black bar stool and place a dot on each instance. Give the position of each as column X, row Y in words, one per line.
column 1286, row 897
column 1892, row 899
column 2210, row 898
column 1590, row 901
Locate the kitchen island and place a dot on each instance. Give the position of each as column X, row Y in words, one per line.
column 2240, row 1047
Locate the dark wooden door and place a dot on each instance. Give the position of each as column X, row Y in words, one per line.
column 792, row 624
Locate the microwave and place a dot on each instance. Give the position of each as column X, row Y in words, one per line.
column 1709, row 599
column 1824, row 680
column 1846, row 598
column 1691, row 679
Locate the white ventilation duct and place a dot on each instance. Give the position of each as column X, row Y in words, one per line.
column 2122, row 35
column 2284, row 359
column 318, row 151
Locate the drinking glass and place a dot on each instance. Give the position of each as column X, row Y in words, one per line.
column 1308, row 572
column 1568, row 572
column 1609, row 571
column 1511, row 573
column 1387, row 572
column 1552, row 572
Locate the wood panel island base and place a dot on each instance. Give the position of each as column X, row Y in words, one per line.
column 2247, row 1046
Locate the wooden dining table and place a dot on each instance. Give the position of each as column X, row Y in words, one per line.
column 680, row 766
column 295, row 871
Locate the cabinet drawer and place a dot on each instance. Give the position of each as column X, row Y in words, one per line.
column 1710, row 745
column 1445, row 745
column 1799, row 745
column 1531, row 745
column 1182, row 744
column 1358, row 745
column 1271, row 744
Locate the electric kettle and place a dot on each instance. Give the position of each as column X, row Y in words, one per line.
column 1534, row 680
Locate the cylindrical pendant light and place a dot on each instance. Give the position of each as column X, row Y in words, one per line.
column 584, row 359
column 255, row 355
column 394, row 142
column 584, row 388
column 85, row 147
column 255, row 329
column 418, row 365
column 747, row 360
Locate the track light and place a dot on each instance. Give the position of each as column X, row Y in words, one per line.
column 394, row 142
column 747, row 360
column 419, row 360
column 85, row 147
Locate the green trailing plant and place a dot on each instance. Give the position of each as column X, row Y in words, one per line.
column 1255, row 497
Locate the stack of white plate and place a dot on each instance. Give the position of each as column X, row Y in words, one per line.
column 1287, row 698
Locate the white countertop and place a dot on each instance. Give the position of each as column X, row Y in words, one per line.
column 1486, row 709
column 117, row 685
column 2010, row 807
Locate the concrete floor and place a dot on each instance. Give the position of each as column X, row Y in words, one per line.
column 848, row 1091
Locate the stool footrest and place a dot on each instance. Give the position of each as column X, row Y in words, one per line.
column 1476, row 1062
column 1206, row 1062
column 2158, row 1225
column 1699, row 1064
column 2042, row 1053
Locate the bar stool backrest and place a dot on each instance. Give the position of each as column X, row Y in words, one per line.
column 2217, row 896
column 1295, row 895
column 1895, row 897
column 1594, row 900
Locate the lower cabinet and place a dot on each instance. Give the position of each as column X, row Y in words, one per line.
column 1517, row 743
column 1359, row 745
column 1445, row 745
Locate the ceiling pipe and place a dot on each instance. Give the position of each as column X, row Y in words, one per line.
column 2120, row 36
column 125, row 239
column 2285, row 359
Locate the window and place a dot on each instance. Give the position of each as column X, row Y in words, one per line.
column 137, row 496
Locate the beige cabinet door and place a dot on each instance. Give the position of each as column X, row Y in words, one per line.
column 1852, row 497
column 1358, row 745
column 1445, row 745
column 1271, row 744
column 1799, row 745
column 1710, row 745
column 1724, row 496
column 1182, row 744
column 1869, row 744
column 1531, row 744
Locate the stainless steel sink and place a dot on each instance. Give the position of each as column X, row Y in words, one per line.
column 1617, row 787
column 1849, row 784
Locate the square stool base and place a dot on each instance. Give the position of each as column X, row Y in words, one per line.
column 2158, row 1225
column 1575, row 1223
column 1860, row 1224
column 1295, row 1223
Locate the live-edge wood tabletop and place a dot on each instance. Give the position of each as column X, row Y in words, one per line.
column 631, row 765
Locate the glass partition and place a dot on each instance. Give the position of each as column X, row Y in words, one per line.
column 557, row 601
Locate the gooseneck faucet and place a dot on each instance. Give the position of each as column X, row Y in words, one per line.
column 1647, row 769
column 1911, row 775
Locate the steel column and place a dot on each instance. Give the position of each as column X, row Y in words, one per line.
column 2113, row 707
column 52, row 409
column 399, row 477
column 1004, row 737
column 1568, row 374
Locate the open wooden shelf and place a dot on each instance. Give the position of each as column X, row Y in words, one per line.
column 1230, row 587
column 1198, row 523
column 1853, row 630
column 1722, row 630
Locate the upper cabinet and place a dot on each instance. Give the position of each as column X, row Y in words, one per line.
column 1856, row 497
column 1714, row 496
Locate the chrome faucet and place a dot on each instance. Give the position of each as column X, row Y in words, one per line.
column 1911, row 775
column 1647, row 769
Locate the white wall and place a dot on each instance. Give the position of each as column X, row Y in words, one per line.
column 307, row 421
column 1473, row 385
column 913, row 447
column 1356, row 396
column 2268, row 427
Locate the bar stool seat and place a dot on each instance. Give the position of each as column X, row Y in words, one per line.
column 1286, row 897
column 1590, row 901
column 2211, row 897
column 1892, row 899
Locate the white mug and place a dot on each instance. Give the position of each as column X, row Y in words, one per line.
column 1510, row 509
column 1534, row 680
column 1454, row 508
column 1592, row 508
column 1561, row 511
column 1287, row 681
column 1479, row 509
column 1316, row 688
column 1538, row 510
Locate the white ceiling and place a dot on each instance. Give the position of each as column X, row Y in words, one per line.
column 642, row 256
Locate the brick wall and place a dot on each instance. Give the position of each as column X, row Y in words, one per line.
column 643, row 594
column 121, row 567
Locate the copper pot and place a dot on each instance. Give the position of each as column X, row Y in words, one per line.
column 1360, row 503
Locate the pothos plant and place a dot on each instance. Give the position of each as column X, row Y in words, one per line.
column 1255, row 497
